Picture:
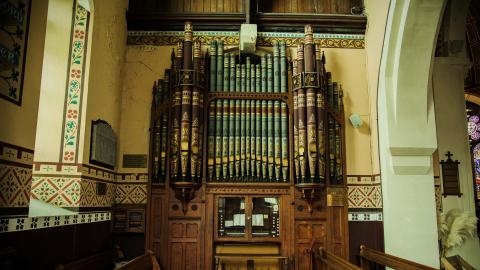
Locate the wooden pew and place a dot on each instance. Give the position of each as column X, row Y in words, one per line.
column 101, row 260
column 144, row 262
column 322, row 259
column 368, row 255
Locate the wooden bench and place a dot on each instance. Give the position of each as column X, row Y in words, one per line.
column 144, row 262
column 97, row 261
column 322, row 259
column 368, row 255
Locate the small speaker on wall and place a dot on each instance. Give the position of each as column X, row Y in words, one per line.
column 356, row 120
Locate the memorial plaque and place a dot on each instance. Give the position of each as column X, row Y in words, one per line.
column 134, row 161
column 336, row 196
column 451, row 185
column 103, row 144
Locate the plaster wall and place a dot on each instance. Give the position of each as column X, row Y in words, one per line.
column 376, row 12
column 54, row 75
column 106, row 57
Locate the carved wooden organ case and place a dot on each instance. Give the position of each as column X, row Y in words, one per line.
column 246, row 151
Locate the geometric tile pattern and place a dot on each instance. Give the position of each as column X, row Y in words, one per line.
column 162, row 38
column 74, row 88
column 16, row 154
column 58, row 191
column 131, row 194
column 364, row 191
column 14, row 186
column 366, row 216
column 438, row 194
column 365, row 196
column 32, row 223
column 90, row 198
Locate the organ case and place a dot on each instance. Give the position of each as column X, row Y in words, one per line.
column 267, row 126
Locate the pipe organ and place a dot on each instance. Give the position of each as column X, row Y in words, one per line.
column 246, row 156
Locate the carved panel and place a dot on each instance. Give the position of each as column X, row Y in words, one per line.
column 243, row 191
column 192, row 230
column 184, row 244
column 310, row 231
column 177, row 230
column 176, row 256
column 191, row 258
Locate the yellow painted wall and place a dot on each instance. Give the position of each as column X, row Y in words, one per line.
column 144, row 64
column 107, row 50
column 377, row 12
column 18, row 123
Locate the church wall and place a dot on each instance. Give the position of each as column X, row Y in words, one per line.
column 450, row 114
column 18, row 122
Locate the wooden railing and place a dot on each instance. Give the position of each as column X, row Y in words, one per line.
column 322, row 259
column 368, row 255
column 144, row 262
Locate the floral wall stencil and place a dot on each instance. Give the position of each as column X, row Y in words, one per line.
column 13, row 44
column 74, row 87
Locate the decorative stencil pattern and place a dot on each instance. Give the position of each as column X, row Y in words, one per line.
column 131, row 194
column 365, row 216
column 90, row 198
column 438, row 194
column 364, row 197
column 74, row 88
column 364, row 192
column 62, row 192
column 32, row 223
column 14, row 186
column 15, row 175
column 158, row 38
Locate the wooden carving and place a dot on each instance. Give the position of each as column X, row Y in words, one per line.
column 451, row 185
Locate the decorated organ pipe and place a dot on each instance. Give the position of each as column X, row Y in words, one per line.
column 187, row 114
column 317, row 134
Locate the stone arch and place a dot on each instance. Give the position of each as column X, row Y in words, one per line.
column 407, row 134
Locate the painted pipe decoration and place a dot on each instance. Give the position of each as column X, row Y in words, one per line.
column 248, row 141
column 187, row 111
column 313, row 128
column 261, row 74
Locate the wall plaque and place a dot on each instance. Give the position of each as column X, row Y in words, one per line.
column 103, row 145
column 134, row 161
column 336, row 196
column 14, row 16
column 451, row 185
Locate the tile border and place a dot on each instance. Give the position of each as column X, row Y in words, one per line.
column 365, row 216
column 24, row 223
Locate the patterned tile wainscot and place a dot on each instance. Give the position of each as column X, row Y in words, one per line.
column 15, row 175
column 364, row 192
column 366, row 216
column 14, row 224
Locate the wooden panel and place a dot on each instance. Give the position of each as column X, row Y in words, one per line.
column 307, row 6
column 176, row 256
column 369, row 233
column 184, row 244
column 310, row 232
column 177, row 230
column 191, row 258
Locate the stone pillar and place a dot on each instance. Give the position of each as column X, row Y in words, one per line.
column 407, row 136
